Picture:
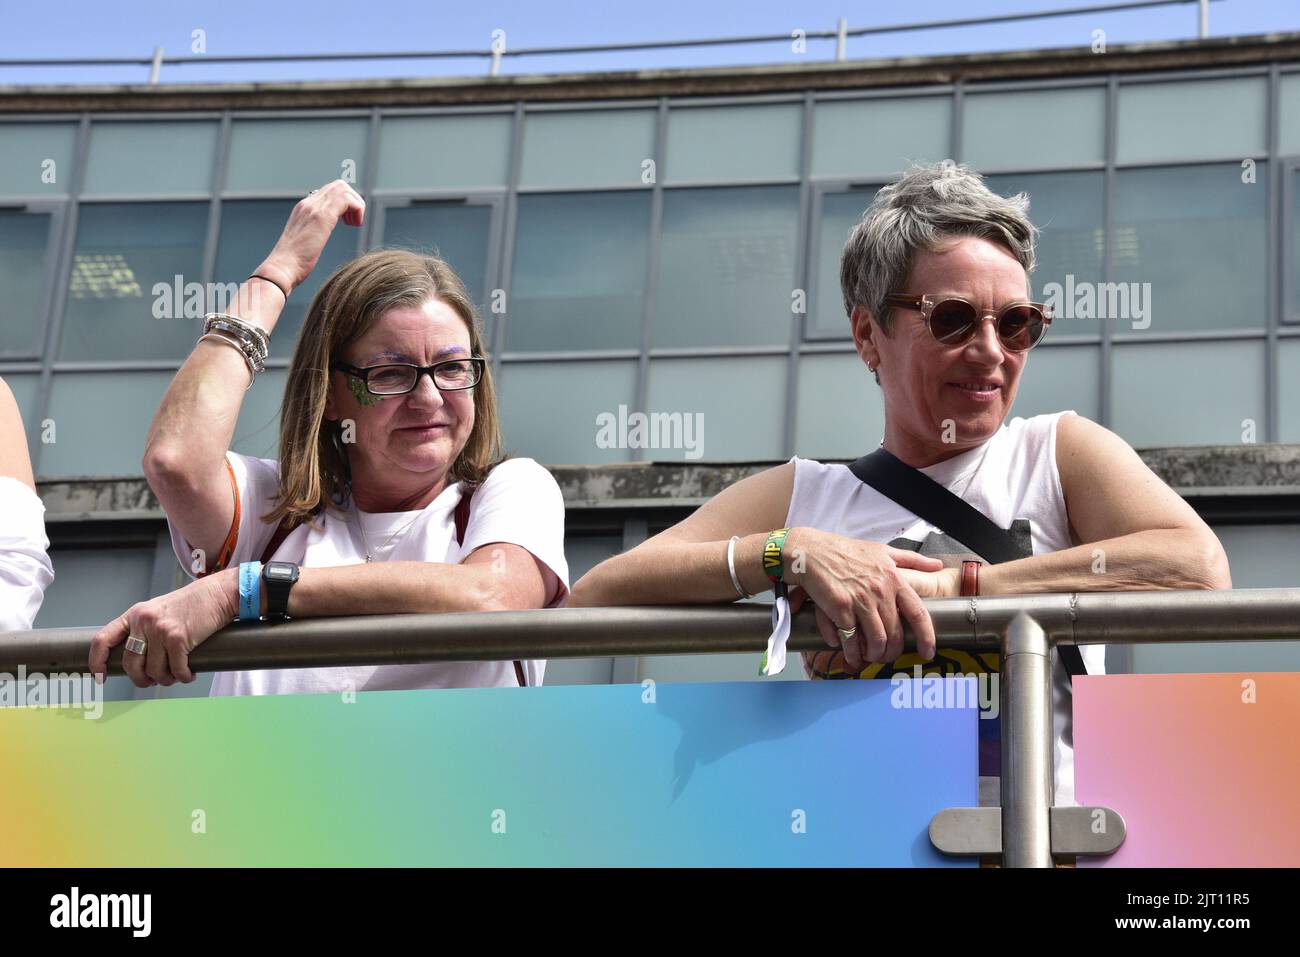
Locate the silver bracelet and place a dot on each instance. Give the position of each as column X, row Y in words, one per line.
column 242, row 328
column 255, row 347
column 219, row 337
column 731, row 567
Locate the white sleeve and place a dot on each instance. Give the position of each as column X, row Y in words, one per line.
column 25, row 569
column 259, row 485
column 520, row 503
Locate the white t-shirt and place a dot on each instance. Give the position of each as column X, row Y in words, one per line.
column 519, row 503
column 25, row 570
column 1013, row 479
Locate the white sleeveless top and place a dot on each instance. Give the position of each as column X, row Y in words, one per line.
column 1013, row 479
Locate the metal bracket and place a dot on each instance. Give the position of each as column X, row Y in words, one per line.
column 967, row 830
column 1075, row 831
column 1087, row 831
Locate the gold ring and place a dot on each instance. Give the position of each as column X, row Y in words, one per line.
column 847, row 633
column 137, row 646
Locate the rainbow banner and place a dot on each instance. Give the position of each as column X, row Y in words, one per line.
column 1204, row 769
column 754, row 773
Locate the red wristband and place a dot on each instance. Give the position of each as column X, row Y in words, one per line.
column 970, row 579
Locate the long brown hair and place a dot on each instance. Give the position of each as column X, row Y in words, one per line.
column 313, row 466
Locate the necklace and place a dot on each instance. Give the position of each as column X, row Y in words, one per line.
column 355, row 513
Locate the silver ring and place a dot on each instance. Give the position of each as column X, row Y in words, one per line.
column 137, row 646
column 313, row 191
column 847, row 633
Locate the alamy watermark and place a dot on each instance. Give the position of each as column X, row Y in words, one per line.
column 1100, row 300
column 918, row 691
column 62, row 690
column 651, row 430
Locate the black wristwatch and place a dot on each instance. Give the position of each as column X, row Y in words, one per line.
column 277, row 581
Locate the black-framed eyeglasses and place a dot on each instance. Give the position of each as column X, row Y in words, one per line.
column 399, row 378
column 953, row 320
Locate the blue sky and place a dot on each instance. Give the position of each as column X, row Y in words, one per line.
column 134, row 28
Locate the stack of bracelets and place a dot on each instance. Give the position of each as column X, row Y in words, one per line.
column 251, row 340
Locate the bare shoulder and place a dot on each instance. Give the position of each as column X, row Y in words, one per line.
column 756, row 503
column 1108, row 489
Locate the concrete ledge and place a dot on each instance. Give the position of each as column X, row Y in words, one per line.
column 1253, row 472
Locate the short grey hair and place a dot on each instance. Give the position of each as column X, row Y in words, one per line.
column 929, row 204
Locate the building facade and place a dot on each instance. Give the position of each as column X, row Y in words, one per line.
column 668, row 243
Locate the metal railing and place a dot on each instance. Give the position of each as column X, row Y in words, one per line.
column 1027, row 830
column 498, row 50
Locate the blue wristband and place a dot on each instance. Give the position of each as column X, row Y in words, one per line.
column 250, row 591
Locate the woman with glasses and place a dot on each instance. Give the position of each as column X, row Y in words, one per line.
column 935, row 280
column 390, row 494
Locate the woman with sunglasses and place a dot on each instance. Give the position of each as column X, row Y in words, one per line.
column 935, row 280
column 390, row 494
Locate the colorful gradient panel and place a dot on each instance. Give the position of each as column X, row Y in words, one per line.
column 780, row 773
column 1204, row 769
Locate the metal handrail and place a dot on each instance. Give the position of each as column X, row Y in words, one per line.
column 969, row 624
column 497, row 52
column 1024, row 628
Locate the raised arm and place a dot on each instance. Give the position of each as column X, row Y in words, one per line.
column 185, row 451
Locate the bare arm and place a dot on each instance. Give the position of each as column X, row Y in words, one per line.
column 854, row 584
column 495, row 577
column 1140, row 535
column 687, row 563
column 14, row 459
column 185, row 451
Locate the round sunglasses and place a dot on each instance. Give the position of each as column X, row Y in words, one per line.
column 953, row 321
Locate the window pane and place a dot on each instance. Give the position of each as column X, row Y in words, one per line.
column 587, row 149
column 1197, row 235
column 93, row 586
column 1191, row 119
column 23, row 386
column 294, row 155
column 456, row 232
column 736, row 407
column 257, row 432
column 733, row 143
column 24, row 240
column 841, row 414
column 840, row 212
column 124, row 251
column 36, row 158
column 1067, row 209
column 124, row 158
column 579, row 272
column 879, row 137
column 249, row 229
column 1059, row 377
column 1288, row 382
column 101, row 420
column 1034, row 128
column 1288, row 133
column 1188, row 393
column 550, row 410
column 726, row 266
column 1294, row 266
column 438, row 152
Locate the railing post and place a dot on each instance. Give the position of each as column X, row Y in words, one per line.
column 1026, row 703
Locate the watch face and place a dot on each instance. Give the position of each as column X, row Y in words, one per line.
column 281, row 571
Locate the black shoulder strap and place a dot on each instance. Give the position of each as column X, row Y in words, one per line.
column 927, row 499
